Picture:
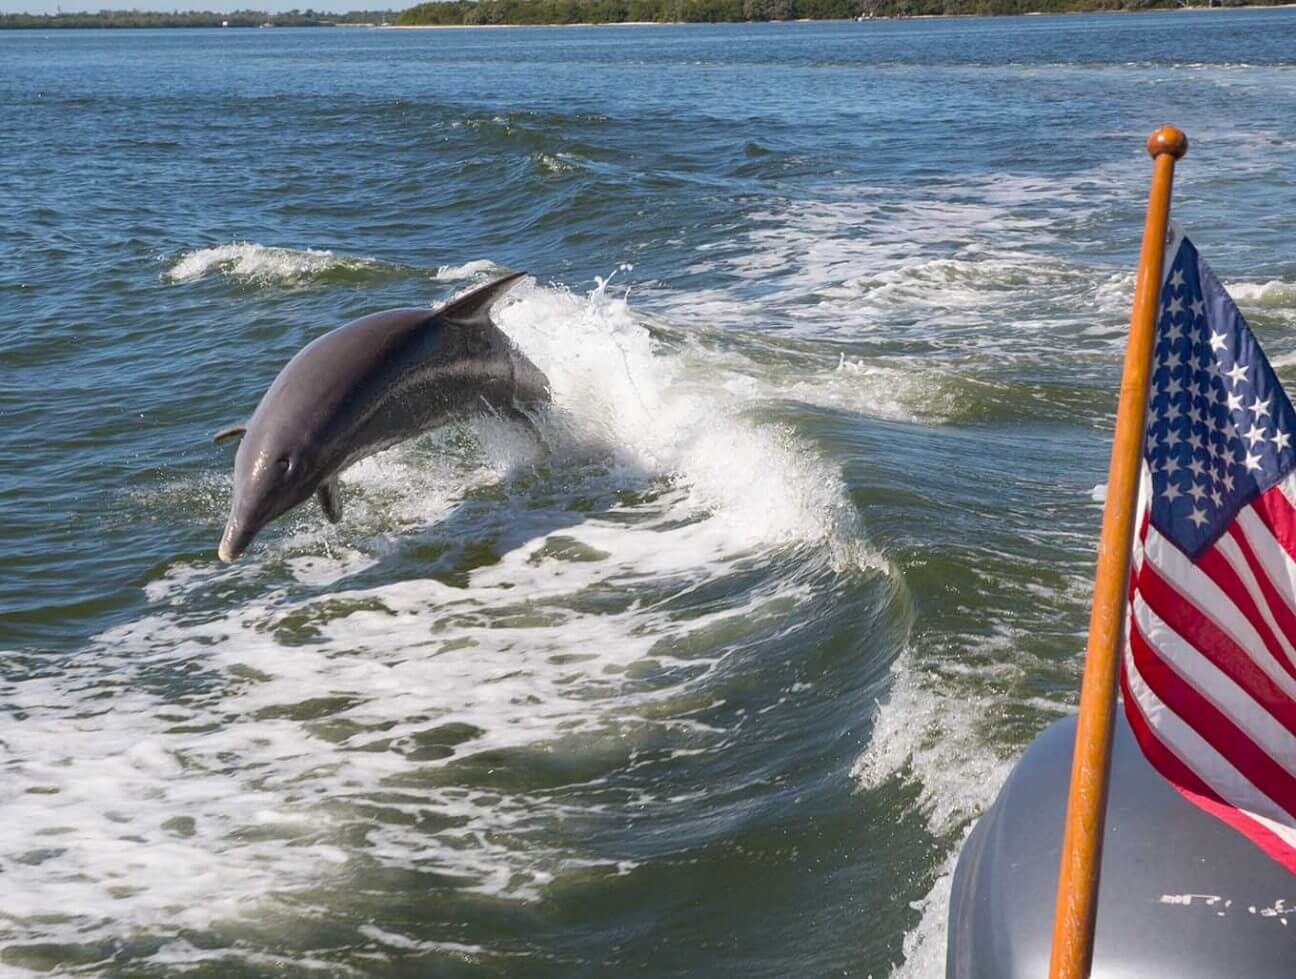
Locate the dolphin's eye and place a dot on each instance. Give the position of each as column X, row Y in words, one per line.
column 284, row 464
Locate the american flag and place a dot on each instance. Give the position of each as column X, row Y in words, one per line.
column 1209, row 672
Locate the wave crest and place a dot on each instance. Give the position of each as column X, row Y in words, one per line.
column 1274, row 294
column 260, row 264
column 468, row 270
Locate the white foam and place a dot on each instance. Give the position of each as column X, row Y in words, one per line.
column 680, row 416
column 931, row 733
column 927, row 736
column 923, row 734
column 260, row 264
column 556, row 164
column 468, row 270
column 925, row 945
column 177, row 812
column 204, row 759
column 1274, row 294
column 972, row 255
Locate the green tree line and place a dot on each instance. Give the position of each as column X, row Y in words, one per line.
column 521, row 12
column 194, row 18
column 473, row 12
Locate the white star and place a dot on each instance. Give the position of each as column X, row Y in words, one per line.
column 1196, row 492
column 1217, row 341
column 1197, row 467
column 1260, row 408
column 1172, row 411
column 1227, row 481
column 1173, row 387
column 1281, row 439
column 1217, row 498
column 1171, row 492
column 1173, row 360
column 1235, row 402
column 1197, row 516
column 1237, row 373
column 1195, row 440
column 1198, row 307
column 1256, row 434
column 1176, row 306
column 1172, row 466
column 1177, row 279
column 1175, row 332
column 1252, row 462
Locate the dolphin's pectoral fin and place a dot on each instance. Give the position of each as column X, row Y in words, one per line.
column 479, row 301
column 233, row 432
column 330, row 498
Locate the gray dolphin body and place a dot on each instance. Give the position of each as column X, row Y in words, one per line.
column 364, row 387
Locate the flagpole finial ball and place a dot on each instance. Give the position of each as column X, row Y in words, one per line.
column 1168, row 140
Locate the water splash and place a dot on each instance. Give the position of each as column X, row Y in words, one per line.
column 468, row 270
column 259, row 264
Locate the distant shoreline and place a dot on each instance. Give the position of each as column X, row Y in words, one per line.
column 840, row 20
column 595, row 13
column 390, row 19
column 607, row 23
column 204, row 19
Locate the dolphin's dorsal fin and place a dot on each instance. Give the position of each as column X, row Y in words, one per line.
column 233, row 432
column 478, row 302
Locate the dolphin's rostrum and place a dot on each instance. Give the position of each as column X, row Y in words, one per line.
column 364, row 387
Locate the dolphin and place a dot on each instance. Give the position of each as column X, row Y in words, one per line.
column 366, row 386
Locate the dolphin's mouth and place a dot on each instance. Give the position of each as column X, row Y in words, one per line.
column 235, row 540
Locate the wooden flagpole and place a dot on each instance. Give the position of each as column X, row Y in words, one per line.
column 1077, row 897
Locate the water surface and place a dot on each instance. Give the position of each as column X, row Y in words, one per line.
column 833, row 315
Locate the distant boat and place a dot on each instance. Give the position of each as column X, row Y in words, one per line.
column 224, row 23
column 267, row 24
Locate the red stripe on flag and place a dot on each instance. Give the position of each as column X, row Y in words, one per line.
column 1216, row 567
column 1216, row 645
column 1195, row 790
column 1279, row 516
column 1213, row 726
column 1273, row 599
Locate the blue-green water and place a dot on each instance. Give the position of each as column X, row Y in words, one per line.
column 833, row 315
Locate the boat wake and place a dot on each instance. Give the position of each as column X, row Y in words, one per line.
column 456, row 684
